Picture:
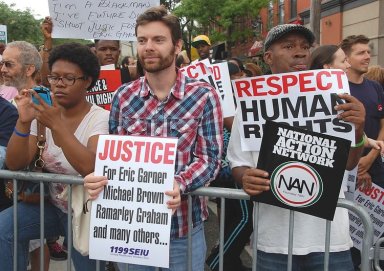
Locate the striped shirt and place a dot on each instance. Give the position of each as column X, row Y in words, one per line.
column 192, row 113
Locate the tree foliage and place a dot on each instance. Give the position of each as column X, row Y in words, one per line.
column 219, row 17
column 21, row 25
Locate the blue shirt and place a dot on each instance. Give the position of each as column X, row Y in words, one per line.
column 371, row 94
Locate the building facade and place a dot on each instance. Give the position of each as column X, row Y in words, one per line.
column 339, row 19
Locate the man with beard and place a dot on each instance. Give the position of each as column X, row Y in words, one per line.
column 21, row 64
column 166, row 103
column 287, row 49
column 370, row 93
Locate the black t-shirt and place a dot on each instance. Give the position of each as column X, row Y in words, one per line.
column 371, row 94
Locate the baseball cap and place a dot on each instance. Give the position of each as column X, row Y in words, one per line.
column 279, row 31
column 200, row 39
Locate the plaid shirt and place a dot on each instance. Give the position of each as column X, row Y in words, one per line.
column 192, row 113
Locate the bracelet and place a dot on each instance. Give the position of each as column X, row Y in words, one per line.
column 361, row 143
column 19, row 133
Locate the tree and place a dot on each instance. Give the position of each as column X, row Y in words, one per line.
column 21, row 25
column 219, row 18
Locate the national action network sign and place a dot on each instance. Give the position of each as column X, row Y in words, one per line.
column 306, row 169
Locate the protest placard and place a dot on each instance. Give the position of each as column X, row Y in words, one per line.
column 97, row 19
column 3, row 34
column 372, row 199
column 102, row 93
column 217, row 75
column 302, row 99
column 130, row 221
column 306, row 169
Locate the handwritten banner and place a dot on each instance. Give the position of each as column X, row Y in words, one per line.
column 97, row 19
column 130, row 221
column 301, row 99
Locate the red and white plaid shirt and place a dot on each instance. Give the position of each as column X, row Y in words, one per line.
column 192, row 113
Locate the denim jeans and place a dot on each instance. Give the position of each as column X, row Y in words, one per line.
column 178, row 254
column 338, row 261
column 28, row 229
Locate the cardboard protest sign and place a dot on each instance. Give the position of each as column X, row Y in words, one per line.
column 102, row 93
column 130, row 221
column 305, row 168
column 301, row 99
column 217, row 75
column 97, row 19
column 372, row 199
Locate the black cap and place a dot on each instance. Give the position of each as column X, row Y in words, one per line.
column 279, row 31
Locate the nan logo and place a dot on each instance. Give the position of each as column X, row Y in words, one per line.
column 296, row 184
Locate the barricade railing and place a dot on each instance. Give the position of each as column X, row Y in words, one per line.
column 378, row 254
column 222, row 193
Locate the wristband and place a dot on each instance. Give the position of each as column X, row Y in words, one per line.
column 361, row 143
column 19, row 133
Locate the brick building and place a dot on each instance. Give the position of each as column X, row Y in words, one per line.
column 339, row 18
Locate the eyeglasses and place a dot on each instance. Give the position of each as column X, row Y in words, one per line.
column 7, row 64
column 68, row 81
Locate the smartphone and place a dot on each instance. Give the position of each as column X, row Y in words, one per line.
column 44, row 94
column 337, row 98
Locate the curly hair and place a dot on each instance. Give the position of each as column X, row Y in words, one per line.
column 80, row 55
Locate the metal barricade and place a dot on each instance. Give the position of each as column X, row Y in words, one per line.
column 378, row 254
column 221, row 193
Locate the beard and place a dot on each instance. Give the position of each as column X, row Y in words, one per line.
column 163, row 63
column 17, row 81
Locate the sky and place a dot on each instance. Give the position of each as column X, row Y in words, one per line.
column 39, row 8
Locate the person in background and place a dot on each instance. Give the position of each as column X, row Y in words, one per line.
column 8, row 118
column 173, row 106
column 333, row 57
column 72, row 129
column 253, row 68
column 376, row 73
column 182, row 59
column 203, row 46
column 370, row 93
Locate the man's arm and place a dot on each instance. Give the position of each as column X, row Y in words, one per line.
column 208, row 148
column 366, row 161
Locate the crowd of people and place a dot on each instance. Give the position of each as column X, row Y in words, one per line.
column 157, row 99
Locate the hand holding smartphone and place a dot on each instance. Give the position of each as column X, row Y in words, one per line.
column 44, row 93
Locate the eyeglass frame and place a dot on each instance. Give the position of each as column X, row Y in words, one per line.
column 7, row 64
column 58, row 78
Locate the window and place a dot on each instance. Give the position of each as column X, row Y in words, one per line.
column 281, row 11
column 293, row 8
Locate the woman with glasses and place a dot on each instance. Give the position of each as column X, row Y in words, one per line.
column 72, row 129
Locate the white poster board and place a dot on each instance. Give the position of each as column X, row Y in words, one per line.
column 130, row 221
column 97, row 19
column 217, row 75
column 372, row 199
column 3, row 33
column 301, row 99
